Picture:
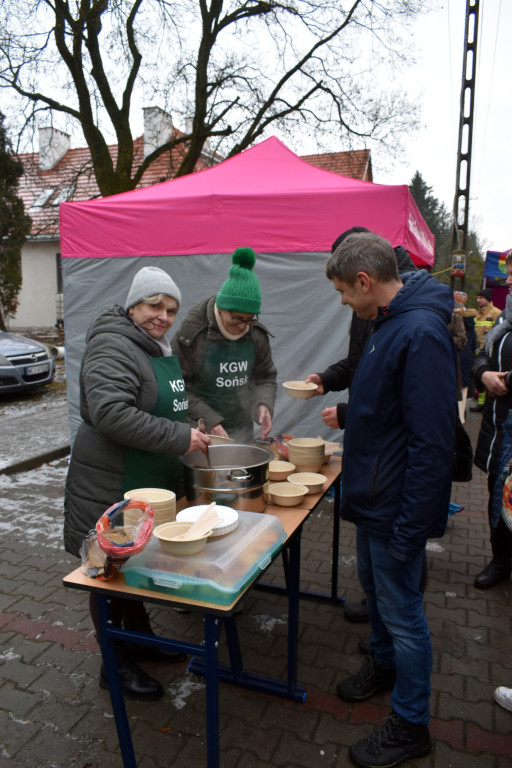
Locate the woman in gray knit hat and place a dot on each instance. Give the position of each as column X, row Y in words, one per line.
column 134, row 409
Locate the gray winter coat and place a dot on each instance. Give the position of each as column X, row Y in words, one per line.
column 118, row 390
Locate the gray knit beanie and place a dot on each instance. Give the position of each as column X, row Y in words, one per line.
column 150, row 281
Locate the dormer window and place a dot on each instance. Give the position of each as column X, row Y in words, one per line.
column 42, row 198
column 64, row 194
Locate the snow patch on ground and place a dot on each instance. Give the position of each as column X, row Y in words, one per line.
column 267, row 623
column 30, row 510
column 182, row 689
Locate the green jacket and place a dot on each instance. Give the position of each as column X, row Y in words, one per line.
column 189, row 344
column 118, row 390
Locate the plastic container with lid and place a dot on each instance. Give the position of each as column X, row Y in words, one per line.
column 219, row 573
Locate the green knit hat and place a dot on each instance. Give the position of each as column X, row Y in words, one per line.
column 241, row 291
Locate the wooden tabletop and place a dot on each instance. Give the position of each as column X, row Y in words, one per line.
column 291, row 518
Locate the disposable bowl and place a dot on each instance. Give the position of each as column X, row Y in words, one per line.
column 313, row 481
column 279, row 470
column 166, row 532
column 162, row 501
column 287, row 494
column 300, row 389
column 314, row 445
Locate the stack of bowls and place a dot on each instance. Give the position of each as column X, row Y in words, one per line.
column 162, row 501
column 307, row 453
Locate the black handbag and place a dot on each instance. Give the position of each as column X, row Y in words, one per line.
column 463, row 455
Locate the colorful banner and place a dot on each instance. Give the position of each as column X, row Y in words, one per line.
column 495, row 266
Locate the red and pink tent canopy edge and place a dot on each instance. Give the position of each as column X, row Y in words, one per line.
column 266, row 198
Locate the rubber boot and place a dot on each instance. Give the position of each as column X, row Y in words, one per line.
column 136, row 683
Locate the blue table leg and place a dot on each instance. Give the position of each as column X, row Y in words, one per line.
column 336, row 541
column 116, row 692
column 235, row 674
column 293, row 611
column 212, row 628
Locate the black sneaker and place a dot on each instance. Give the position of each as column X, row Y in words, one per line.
column 399, row 740
column 370, row 679
column 364, row 646
column 357, row 612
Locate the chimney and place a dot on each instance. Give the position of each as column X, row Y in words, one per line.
column 158, row 128
column 53, row 145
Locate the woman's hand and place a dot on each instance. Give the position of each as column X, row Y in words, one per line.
column 314, row 378
column 330, row 417
column 219, row 430
column 494, row 383
column 264, row 420
column 198, row 441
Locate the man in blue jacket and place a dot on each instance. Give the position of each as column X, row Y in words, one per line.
column 397, row 471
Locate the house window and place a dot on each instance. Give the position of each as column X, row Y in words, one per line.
column 59, row 273
column 42, row 198
column 59, row 298
column 63, row 194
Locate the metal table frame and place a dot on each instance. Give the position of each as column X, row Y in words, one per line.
column 205, row 656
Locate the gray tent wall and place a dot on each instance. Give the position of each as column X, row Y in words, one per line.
column 300, row 308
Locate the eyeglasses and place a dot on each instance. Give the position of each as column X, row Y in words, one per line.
column 243, row 320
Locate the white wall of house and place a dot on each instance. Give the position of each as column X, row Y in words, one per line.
column 38, row 296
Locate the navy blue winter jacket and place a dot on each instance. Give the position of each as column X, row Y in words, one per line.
column 400, row 427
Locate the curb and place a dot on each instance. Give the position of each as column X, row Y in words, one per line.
column 35, row 461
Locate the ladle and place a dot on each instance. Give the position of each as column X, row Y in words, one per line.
column 201, row 427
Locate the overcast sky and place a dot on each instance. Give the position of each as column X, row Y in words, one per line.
column 436, row 81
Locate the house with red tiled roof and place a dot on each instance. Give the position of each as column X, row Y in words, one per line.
column 58, row 173
column 356, row 163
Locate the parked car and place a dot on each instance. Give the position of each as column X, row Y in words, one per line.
column 24, row 363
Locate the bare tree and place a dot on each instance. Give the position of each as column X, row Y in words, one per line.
column 226, row 70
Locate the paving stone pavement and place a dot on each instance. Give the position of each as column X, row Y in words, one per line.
column 53, row 714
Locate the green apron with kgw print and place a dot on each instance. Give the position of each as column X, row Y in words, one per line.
column 143, row 469
column 223, row 383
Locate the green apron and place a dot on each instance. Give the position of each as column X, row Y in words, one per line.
column 224, row 378
column 144, row 469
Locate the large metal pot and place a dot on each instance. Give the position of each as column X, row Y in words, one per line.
column 237, row 476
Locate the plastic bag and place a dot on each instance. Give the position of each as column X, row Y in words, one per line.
column 106, row 548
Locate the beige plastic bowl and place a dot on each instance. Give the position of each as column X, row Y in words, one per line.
column 311, row 444
column 162, row 501
column 165, row 534
column 288, row 494
column 300, row 389
column 313, row 481
column 279, row 470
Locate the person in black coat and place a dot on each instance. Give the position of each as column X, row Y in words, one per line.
column 466, row 355
column 493, row 373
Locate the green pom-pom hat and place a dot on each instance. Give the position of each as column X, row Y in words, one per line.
column 241, row 291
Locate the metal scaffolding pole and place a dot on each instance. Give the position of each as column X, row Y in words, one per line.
column 467, row 103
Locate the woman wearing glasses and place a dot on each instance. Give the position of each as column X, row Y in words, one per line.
column 225, row 357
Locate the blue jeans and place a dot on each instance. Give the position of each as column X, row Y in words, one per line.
column 400, row 635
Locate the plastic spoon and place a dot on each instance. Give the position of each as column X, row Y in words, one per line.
column 206, row 521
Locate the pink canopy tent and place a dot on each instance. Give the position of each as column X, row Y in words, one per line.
column 288, row 211
column 265, row 197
